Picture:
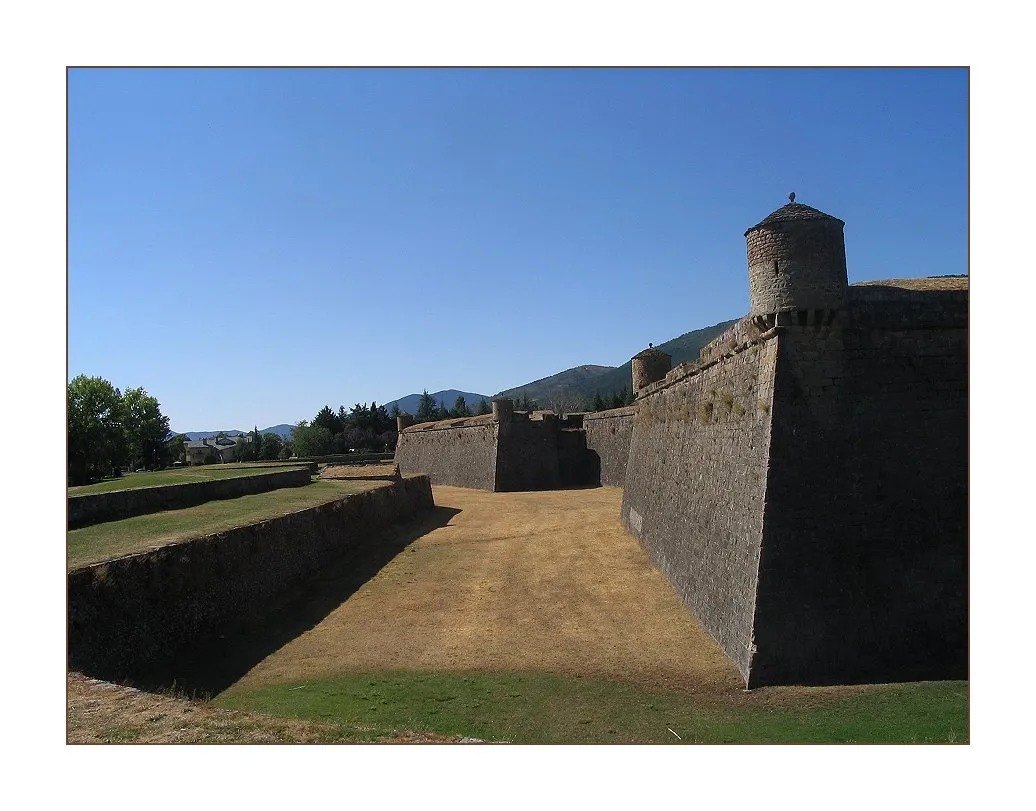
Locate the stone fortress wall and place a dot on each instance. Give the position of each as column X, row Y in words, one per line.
column 864, row 568
column 608, row 437
column 696, row 485
column 804, row 484
column 461, row 453
column 505, row 451
column 136, row 616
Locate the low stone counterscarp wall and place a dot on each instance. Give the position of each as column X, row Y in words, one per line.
column 136, row 614
column 96, row 508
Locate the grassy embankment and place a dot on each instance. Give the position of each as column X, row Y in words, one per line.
column 181, row 475
column 545, row 708
column 101, row 542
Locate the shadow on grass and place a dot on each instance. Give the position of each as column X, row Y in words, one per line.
column 213, row 665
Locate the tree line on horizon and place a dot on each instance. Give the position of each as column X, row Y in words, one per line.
column 109, row 430
column 363, row 428
column 563, row 403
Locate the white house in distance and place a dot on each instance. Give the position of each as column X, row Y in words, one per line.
column 198, row 450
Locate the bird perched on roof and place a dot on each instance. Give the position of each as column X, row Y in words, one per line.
column 791, row 197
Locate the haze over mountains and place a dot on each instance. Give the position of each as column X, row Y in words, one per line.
column 573, row 388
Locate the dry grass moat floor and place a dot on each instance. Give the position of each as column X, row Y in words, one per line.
column 544, row 581
column 527, row 617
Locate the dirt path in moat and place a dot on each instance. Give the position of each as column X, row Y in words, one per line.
column 545, row 581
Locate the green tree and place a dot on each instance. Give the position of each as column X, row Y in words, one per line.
column 326, row 418
column 380, row 419
column 311, row 440
column 175, row 451
column 360, row 417
column 426, row 408
column 270, row 447
column 599, row 404
column 460, row 408
column 96, row 441
column 145, row 427
column 246, row 449
column 483, row 407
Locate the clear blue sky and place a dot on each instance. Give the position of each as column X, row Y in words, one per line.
column 250, row 245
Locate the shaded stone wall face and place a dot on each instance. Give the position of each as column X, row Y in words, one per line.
column 863, row 572
column 134, row 616
column 86, row 510
column 574, row 469
column 462, row 456
column 527, row 458
column 797, row 266
column 608, row 438
column 694, row 487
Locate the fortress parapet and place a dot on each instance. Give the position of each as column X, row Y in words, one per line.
column 796, row 263
column 503, row 409
column 649, row 367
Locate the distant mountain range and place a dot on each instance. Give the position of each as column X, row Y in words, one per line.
column 568, row 387
column 577, row 387
column 574, row 389
column 447, row 398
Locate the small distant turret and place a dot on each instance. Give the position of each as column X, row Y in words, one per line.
column 403, row 421
column 796, row 261
column 649, row 367
column 503, row 409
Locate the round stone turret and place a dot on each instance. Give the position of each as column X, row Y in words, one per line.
column 403, row 421
column 796, row 261
column 649, row 367
column 503, row 409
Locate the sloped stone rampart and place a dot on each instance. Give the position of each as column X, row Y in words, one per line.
column 96, row 508
column 864, row 568
column 137, row 614
column 608, row 437
column 695, row 487
column 521, row 452
column 821, row 539
column 462, row 456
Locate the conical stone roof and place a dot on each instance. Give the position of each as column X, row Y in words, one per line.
column 794, row 212
column 651, row 352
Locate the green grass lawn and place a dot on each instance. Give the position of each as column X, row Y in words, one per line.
column 100, row 542
column 545, row 708
column 180, row 475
